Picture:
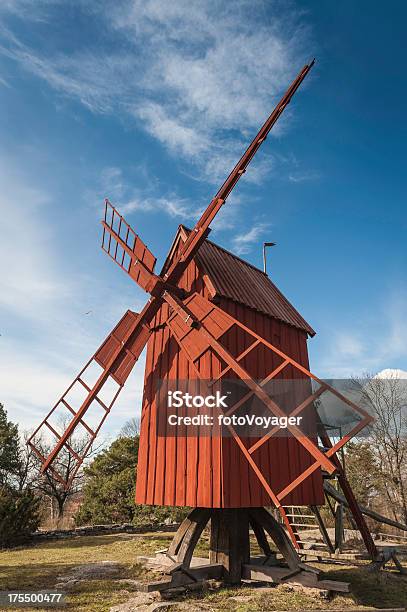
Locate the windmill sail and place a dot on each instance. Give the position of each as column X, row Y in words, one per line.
column 126, row 248
column 85, row 404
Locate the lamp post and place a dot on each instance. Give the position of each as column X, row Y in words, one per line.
column 265, row 245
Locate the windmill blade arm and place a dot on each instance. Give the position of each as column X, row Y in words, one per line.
column 127, row 249
column 89, row 398
column 200, row 230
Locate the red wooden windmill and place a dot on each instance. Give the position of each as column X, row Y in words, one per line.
column 211, row 316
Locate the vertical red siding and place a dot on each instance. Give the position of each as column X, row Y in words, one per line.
column 213, row 472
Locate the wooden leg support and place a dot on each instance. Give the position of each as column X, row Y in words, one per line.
column 230, row 546
column 322, row 528
column 229, row 556
column 338, row 527
column 270, row 557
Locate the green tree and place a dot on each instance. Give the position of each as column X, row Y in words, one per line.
column 19, row 507
column 362, row 471
column 110, row 485
column 109, row 490
column 19, row 515
column 9, row 449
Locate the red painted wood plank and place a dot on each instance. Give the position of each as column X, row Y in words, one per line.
column 214, row 472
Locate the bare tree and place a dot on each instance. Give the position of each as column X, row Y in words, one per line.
column 131, row 428
column 64, row 464
column 387, row 400
column 48, row 485
column 27, row 472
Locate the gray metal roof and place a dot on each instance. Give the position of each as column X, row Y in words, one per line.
column 237, row 280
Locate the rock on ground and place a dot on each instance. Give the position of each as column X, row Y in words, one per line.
column 89, row 571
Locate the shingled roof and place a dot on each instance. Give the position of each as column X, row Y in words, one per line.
column 237, row 280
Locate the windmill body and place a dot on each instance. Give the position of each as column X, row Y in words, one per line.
column 186, row 470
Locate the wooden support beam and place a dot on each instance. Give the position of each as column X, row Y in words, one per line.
column 261, row 538
column 277, row 534
column 181, row 531
column 197, row 524
column 230, row 552
column 350, row 497
column 338, row 527
column 322, row 528
column 332, row 492
column 180, row 578
column 277, row 575
column 398, row 565
column 230, row 545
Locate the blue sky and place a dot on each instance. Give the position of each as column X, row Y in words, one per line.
column 151, row 103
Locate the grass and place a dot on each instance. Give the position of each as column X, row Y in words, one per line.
column 40, row 566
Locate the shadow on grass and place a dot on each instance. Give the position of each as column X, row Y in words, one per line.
column 91, row 541
column 377, row 589
column 30, row 569
column 33, row 576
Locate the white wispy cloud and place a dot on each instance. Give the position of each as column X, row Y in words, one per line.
column 171, row 131
column 348, row 345
column 128, row 199
column 199, row 77
column 174, row 207
column 34, row 10
column 301, row 177
column 215, row 72
column 242, row 243
column 31, row 384
column 148, row 199
column 396, row 316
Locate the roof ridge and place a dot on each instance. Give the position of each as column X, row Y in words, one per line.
column 225, row 272
column 221, row 248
